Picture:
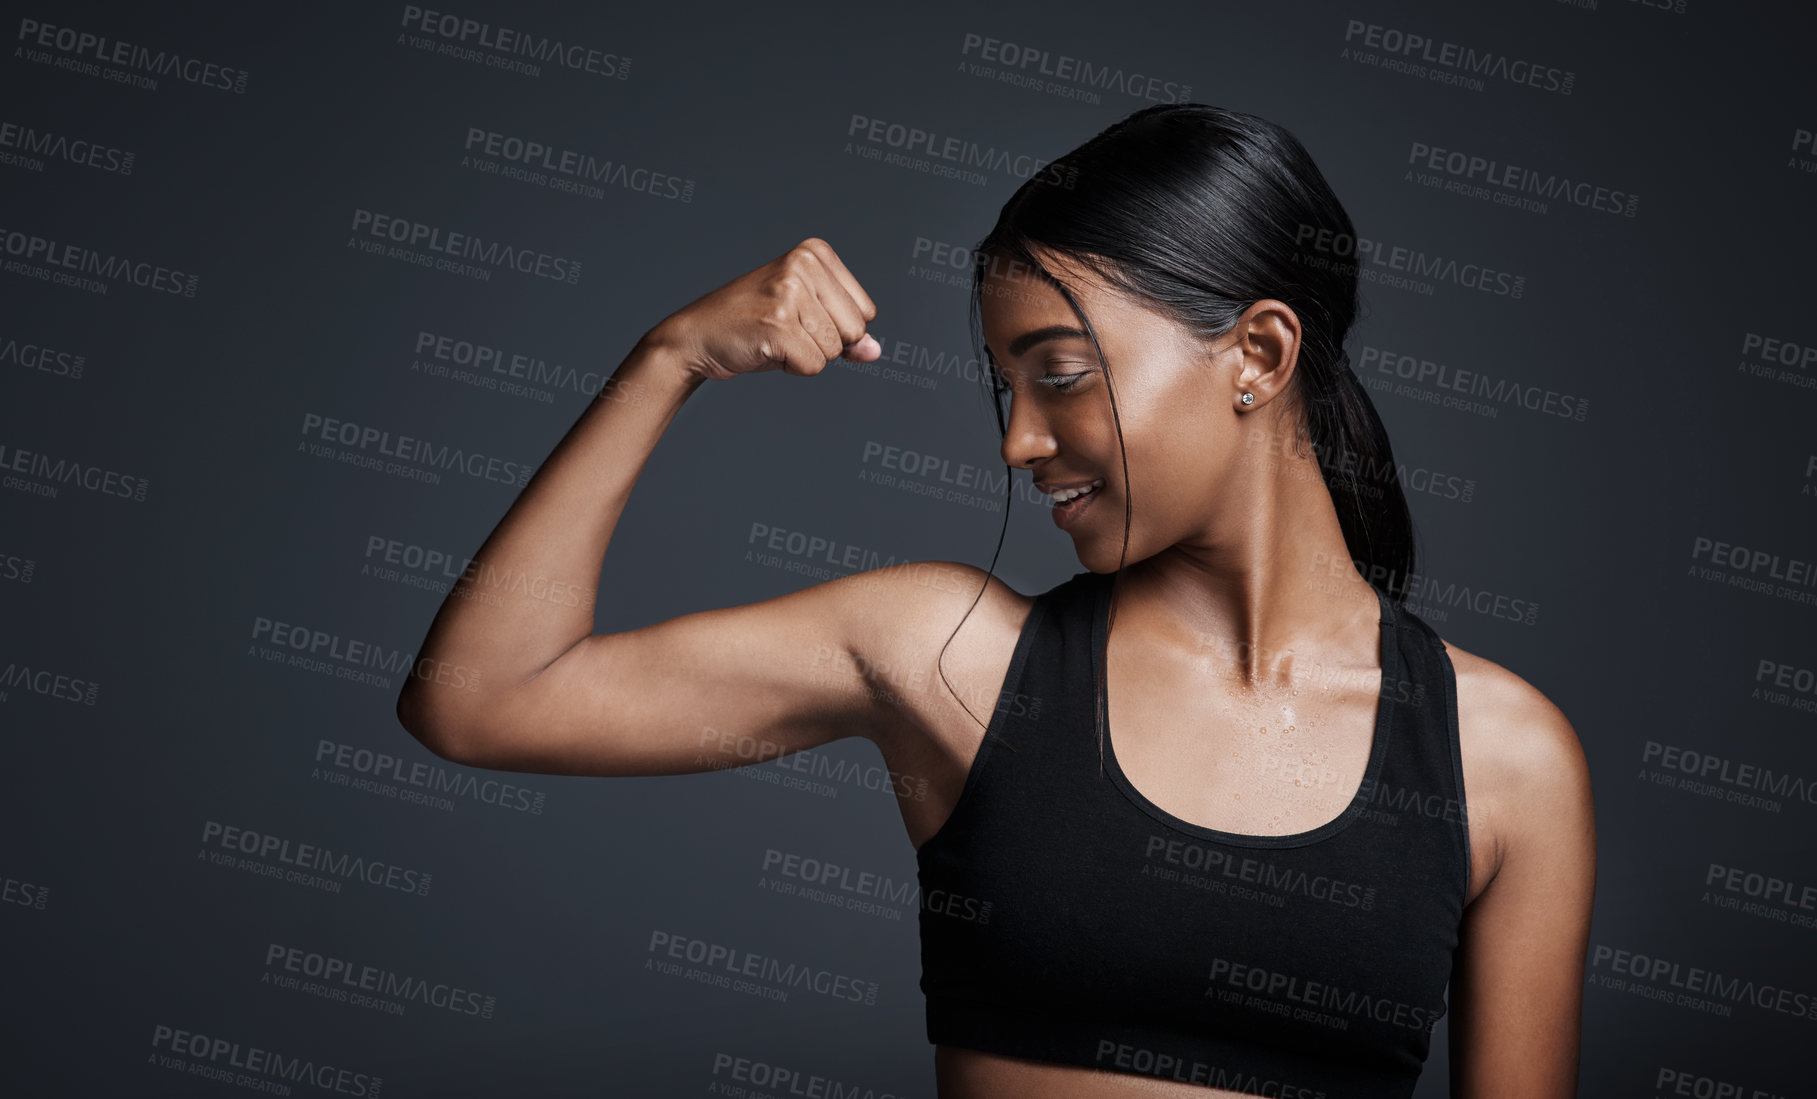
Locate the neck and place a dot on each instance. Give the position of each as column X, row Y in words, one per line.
column 1260, row 582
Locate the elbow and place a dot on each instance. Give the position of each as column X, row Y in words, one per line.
column 443, row 733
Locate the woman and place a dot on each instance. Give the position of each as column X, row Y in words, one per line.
column 1266, row 882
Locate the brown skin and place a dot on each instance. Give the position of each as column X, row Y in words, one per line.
column 1229, row 602
column 1239, row 617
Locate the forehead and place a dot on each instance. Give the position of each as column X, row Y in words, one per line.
column 1019, row 305
column 1016, row 297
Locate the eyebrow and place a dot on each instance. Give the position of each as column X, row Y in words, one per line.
column 1021, row 344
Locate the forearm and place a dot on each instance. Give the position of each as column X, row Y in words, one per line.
column 529, row 594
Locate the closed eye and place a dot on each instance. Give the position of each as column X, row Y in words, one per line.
column 1063, row 382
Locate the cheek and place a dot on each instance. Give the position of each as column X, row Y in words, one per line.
column 1163, row 448
column 1179, row 455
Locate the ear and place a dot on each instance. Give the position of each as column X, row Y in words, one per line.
column 1262, row 349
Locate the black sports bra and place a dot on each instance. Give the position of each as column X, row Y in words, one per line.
column 1066, row 918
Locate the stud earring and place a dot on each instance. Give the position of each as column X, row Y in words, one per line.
column 1249, row 398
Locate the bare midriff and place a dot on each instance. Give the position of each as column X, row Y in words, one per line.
column 972, row 1074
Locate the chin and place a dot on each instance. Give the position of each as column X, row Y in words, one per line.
column 1101, row 557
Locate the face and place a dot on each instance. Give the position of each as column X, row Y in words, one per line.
column 1178, row 399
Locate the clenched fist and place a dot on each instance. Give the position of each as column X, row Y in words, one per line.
column 797, row 313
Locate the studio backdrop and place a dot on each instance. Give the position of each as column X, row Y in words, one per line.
column 295, row 299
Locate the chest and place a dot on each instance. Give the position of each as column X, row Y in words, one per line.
column 1247, row 758
column 1096, row 910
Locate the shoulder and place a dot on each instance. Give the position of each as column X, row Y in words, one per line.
column 908, row 605
column 1526, row 778
column 1517, row 985
column 931, row 627
column 915, row 593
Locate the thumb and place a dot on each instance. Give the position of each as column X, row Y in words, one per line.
column 865, row 349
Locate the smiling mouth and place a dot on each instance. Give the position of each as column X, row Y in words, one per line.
column 1068, row 511
column 1061, row 496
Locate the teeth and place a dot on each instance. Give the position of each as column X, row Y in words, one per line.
column 1065, row 494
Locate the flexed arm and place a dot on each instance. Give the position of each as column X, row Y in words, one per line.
column 536, row 688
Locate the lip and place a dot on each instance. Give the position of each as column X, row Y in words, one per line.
column 1052, row 487
column 1067, row 515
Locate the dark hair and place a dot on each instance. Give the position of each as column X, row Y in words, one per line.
column 1204, row 211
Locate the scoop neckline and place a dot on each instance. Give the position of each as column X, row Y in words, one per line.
column 1378, row 745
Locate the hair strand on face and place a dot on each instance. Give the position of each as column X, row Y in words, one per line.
column 1203, row 212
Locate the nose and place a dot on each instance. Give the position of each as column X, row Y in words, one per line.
column 1026, row 437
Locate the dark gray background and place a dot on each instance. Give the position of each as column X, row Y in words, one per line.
column 112, row 924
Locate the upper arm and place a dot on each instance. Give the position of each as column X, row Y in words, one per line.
column 1517, row 990
column 707, row 690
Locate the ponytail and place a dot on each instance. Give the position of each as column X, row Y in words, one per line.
column 1357, row 461
column 1203, row 212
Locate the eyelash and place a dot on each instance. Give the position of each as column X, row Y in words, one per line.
column 1063, row 382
